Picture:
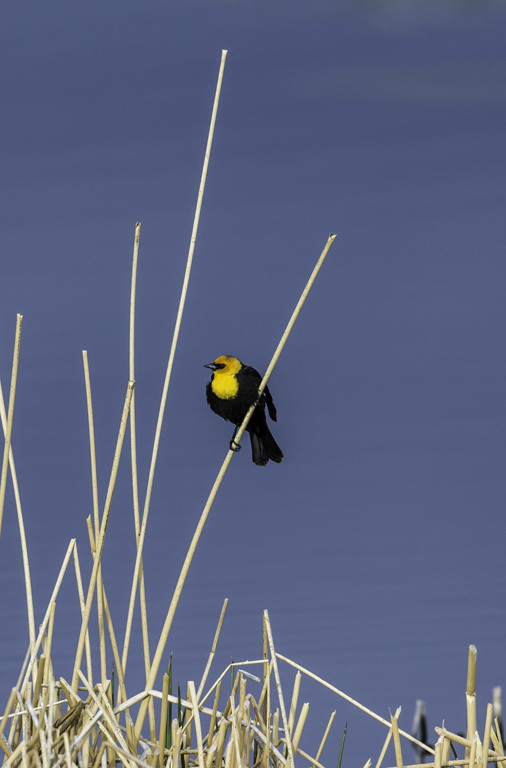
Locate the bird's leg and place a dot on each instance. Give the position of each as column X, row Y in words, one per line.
column 233, row 445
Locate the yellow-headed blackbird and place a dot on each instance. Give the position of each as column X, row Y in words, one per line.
column 232, row 390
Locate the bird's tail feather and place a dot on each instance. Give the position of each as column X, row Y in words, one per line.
column 264, row 447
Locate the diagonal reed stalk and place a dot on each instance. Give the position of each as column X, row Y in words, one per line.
column 352, row 701
column 182, row 300
column 10, row 416
column 21, row 525
column 207, row 508
column 213, row 649
column 22, row 686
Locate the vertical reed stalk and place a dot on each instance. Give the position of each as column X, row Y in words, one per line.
column 101, row 538
column 163, row 720
column 96, row 513
column 170, row 363
column 397, row 740
column 135, row 482
column 471, row 694
column 487, row 732
column 196, row 716
column 80, row 593
column 293, row 703
column 280, row 690
column 387, row 741
column 122, row 696
column 437, row 754
column 212, row 721
column 300, row 727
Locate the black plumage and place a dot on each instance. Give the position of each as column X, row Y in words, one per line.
column 230, row 393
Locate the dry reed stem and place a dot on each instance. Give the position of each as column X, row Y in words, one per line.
column 43, row 626
column 40, row 677
column 21, row 526
column 212, row 721
column 299, row 727
column 445, row 750
column 207, row 508
column 472, row 751
column 471, row 693
column 80, row 593
column 267, row 719
column 10, row 416
column 497, row 742
column 182, row 300
column 242, row 695
column 8, row 707
column 293, row 703
column 437, row 753
column 397, row 740
column 275, row 728
column 103, row 529
column 112, row 635
column 128, row 757
column 205, row 674
column 96, row 511
column 135, row 481
column 49, row 643
column 387, row 741
column 487, row 732
column 279, row 689
column 163, row 719
column 235, row 731
column 196, row 717
column 285, row 336
column 352, row 701
column 265, row 696
column 464, row 742
column 220, row 742
column 104, row 705
column 226, row 671
column 324, row 738
column 308, row 757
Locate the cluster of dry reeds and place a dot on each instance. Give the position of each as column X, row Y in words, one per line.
column 49, row 721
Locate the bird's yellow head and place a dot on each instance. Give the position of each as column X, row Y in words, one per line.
column 226, row 364
column 224, row 382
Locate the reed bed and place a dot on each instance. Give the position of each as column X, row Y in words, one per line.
column 243, row 718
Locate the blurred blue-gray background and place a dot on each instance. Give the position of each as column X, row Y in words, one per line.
column 378, row 544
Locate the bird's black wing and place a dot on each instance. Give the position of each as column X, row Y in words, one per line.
column 250, row 376
column 255, row 378
column 270, row 405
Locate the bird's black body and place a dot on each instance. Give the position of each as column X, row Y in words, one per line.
column 230, row 393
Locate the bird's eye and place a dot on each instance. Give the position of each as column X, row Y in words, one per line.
column 219, row 365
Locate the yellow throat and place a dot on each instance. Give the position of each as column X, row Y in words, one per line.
column 225, row 384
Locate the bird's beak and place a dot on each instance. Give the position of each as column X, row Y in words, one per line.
column 212, row 366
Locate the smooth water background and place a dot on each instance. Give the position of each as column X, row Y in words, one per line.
column 378, row 545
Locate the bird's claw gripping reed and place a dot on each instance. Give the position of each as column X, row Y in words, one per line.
column 233, row 389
